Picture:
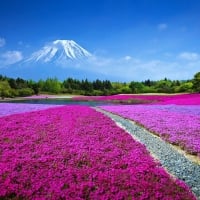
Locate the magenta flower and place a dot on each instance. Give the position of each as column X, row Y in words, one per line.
column 14, row 108
column 75, row 152
column 180, row 99
column 177, row 124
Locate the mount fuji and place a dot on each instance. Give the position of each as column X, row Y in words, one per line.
column 59, row 52
column 60, row 59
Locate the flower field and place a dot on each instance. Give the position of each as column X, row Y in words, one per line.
column 177, row 124
column 179, row 99
column 75, row 152
column 14, row 108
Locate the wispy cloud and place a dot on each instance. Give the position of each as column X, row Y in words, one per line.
column 127, row 58
column 190, row 56
column 100, row 61
column 129, row 68
column 162, row 27
column 2, row 42
column 10, row 57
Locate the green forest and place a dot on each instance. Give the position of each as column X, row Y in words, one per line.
column 10, row 87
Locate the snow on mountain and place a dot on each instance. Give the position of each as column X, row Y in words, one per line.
column 59, row 51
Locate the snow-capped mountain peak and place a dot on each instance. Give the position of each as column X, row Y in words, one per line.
column 59, row 51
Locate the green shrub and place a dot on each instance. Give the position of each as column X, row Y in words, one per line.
column 25, row 92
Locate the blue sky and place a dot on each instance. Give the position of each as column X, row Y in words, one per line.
column 131, row 39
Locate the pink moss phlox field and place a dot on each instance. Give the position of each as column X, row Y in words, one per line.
column 180, row 99
column 123, row 97
column 189, row 99
column 177, row 124
column 14, row 108
column 75, row 152
column 184, row 109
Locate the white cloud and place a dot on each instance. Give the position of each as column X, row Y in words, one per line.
column 10, row 57
column 2, row 42
column 162, row 27
column 190, row 56
column 128, row 68
column 127, row 58
column 137, row 69
column 100, row 61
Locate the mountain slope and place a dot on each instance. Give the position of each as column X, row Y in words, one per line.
column 59, row 51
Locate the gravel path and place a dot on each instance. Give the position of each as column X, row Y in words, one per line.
column 175, row 163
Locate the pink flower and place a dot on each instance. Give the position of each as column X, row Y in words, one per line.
column 75, row 152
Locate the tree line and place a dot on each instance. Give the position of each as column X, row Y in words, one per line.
column 10, row 87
